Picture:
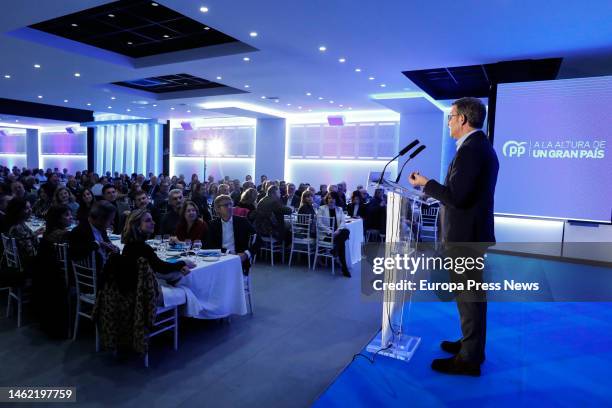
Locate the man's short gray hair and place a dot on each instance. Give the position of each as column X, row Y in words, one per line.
column 473, row 109
column 175, row 191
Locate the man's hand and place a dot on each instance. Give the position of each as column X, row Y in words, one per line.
column 185, row 270
column 416, row 180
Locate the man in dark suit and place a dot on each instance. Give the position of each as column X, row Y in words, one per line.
column 92, row 236
column 231, row 233
column 467, row 217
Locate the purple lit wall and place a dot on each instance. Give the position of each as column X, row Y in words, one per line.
column 13, row 147
column 63, row 150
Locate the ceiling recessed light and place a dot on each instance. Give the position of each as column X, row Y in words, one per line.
column 129, row 43
column 74, row 24
column 288, row 104
column 299, row 107
column 342, row 60
column 219, row 78
column 331, row 101
column 321, row 98
column 109, row 107
column 7, row 76
column 349, row 108
column 16, row 120
column 263, row 97
column 113, row 98
column 76, row 74
column 371, row 78
column 166, row 36
column 276, row 101
column 253, row 34
column 65, row 100
column 154, row 105
column 247, row 86
column 322, row 48
column 308, row 94
column 309, row 110
column 111, row 15
column 88, row 104
column 341, row 105
column 172, row 108
column 39, row 96
column 247, row 59
column 204, row 9
column 36, row 66
column 383, row 85
column 357, row 69
column 154, row 4
column 207, row 28
column 128, row 109
column 188, row 111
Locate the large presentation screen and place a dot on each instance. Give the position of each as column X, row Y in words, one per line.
column 553, row 140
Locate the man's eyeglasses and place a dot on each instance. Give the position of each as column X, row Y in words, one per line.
column 450, row 115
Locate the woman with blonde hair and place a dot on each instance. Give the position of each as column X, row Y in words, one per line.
column 63, row 196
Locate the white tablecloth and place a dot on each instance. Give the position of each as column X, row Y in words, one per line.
column 219, row 287
column 353, row 245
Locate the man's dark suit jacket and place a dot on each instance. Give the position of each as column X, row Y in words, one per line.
column 242, row 234
column 467, row 193
column 82, row 242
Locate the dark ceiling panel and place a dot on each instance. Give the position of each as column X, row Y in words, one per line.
column 173, row 83
column 135, row 28
column 475, row 80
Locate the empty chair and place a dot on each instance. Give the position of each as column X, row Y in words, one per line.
column 325, row 240
column 61, row 255
column 428, row 226
column 16, row 291
column 85, row 280
column 302, row 240
column 273, row 246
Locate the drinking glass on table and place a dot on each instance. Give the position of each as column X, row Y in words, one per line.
column 197, row 246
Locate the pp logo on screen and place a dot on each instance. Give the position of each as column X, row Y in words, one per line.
column 512, row 148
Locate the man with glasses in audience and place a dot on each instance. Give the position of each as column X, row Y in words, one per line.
column 231, row 234
column 172, row 217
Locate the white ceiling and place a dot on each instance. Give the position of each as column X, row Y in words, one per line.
column 382, row 38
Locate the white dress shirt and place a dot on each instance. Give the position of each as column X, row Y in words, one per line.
column 227, row 235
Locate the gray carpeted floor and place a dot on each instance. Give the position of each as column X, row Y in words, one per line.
column 306, row 327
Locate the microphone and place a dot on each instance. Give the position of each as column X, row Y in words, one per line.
column 402, row 152
column 409, row 147
column 412, row 156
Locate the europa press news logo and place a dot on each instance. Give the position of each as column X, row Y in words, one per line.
column 513, row 148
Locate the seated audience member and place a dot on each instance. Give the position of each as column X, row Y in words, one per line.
column 99, row 184
column 18, row 211
column 4, row 199
column 63, row 196
column 18, row 191
column 122, row 210
column 246, row 205
column 59, row 218
column 232, row 234
column 291, row 199
column 262, row 188
column 341, row 195
column 270, row 218
column 356, row 208
column 161, row 195
column 223, row 189
column 138, row 228
column 261, row 193
column 306, row 204
column 198, row 196
column 172, row 217
column 190, row 226
column 92, row 235
column 236, row 191
column 341, row 234
column 86, row 201
column 41, row 206
column 377, row 211
column 306, row 207
column 73, row 186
